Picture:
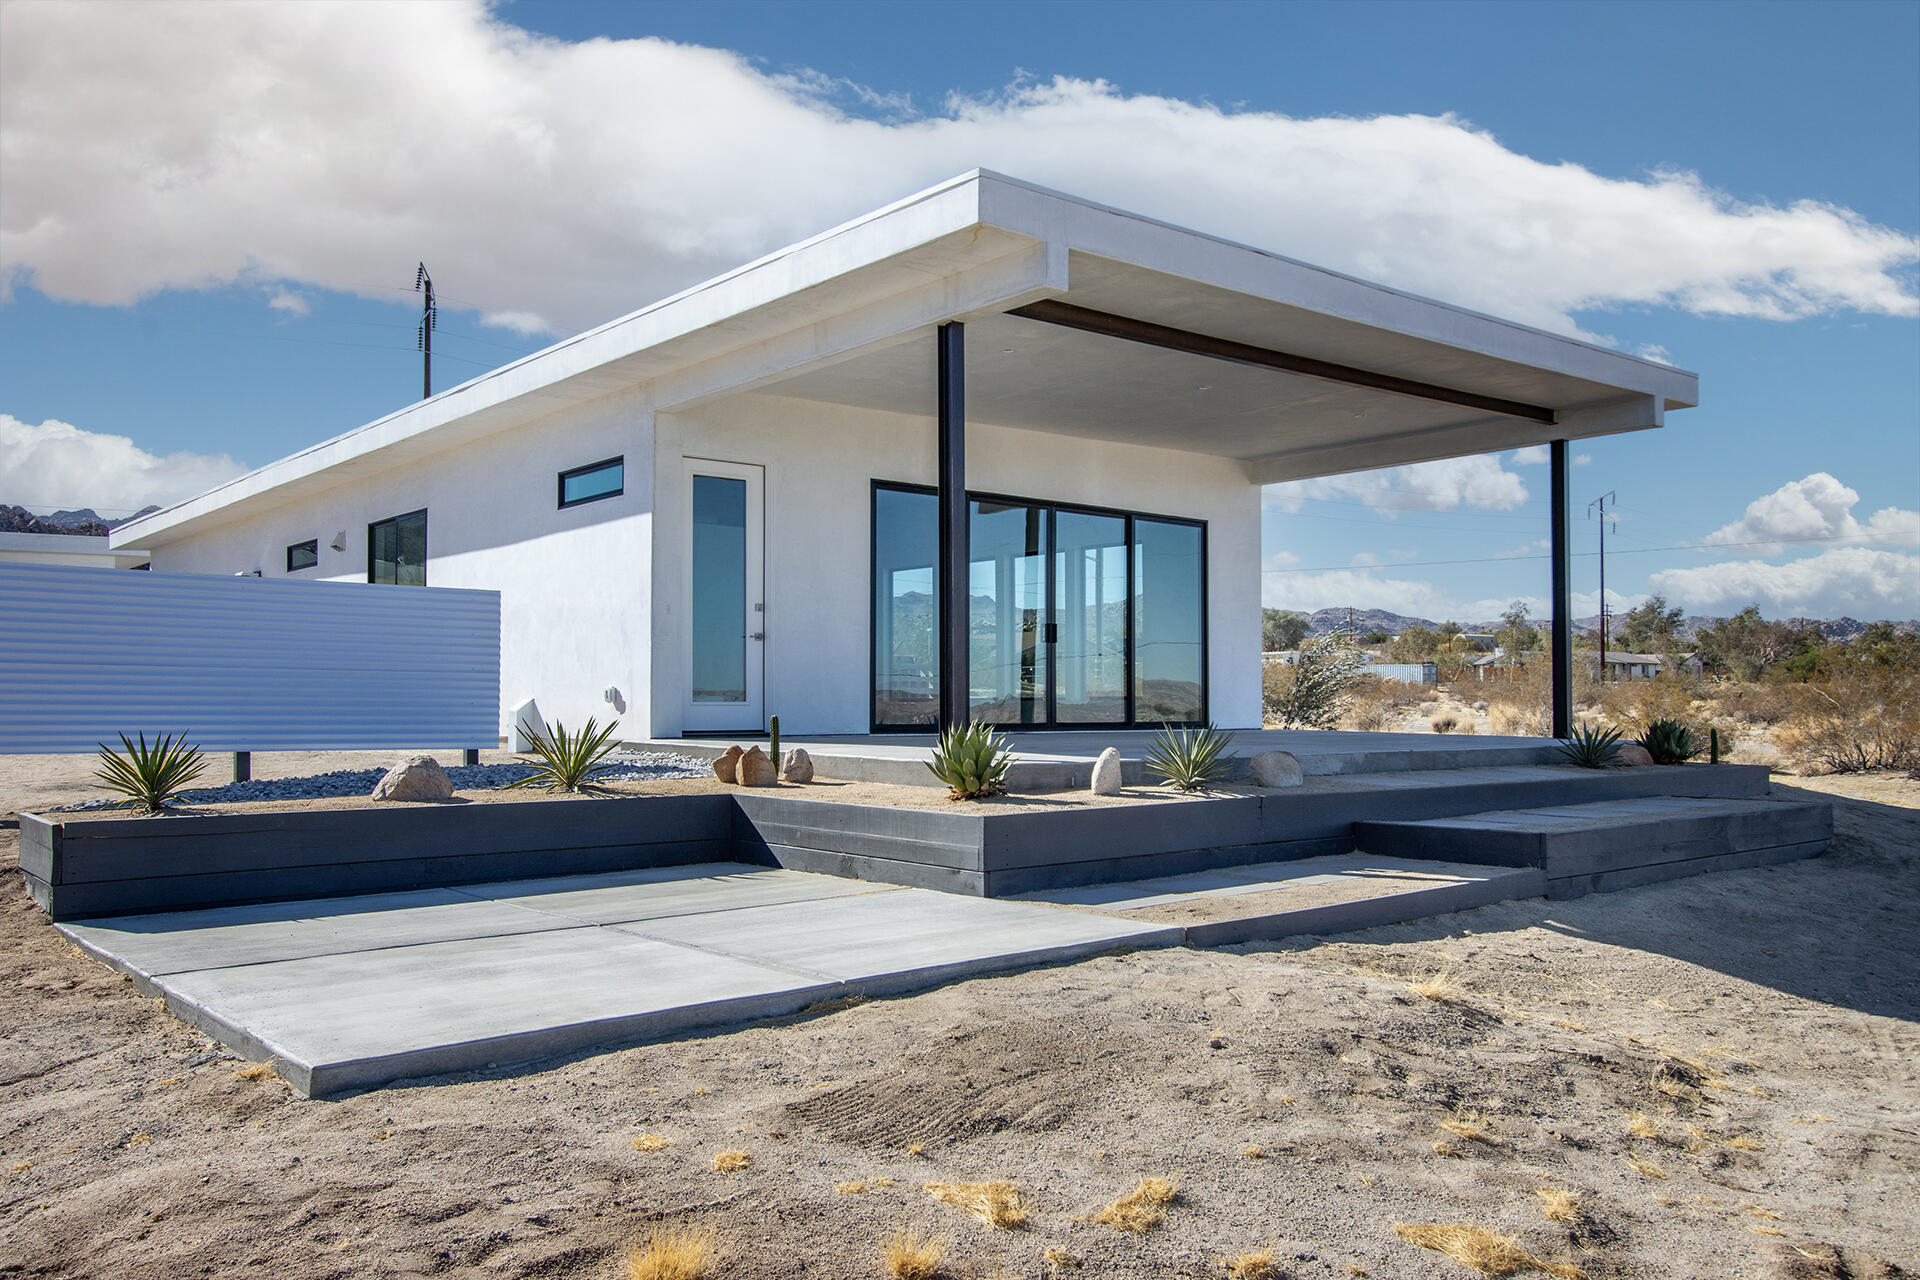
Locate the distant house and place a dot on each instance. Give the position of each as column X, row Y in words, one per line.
column 1479, row 640
column 67, row 549
column 1621, row 665
column 1504, row 665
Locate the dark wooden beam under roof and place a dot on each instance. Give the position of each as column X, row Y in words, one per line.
column 1065, row 314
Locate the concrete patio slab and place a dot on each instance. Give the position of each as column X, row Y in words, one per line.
column 349, row 993
column 618, row 897
column 222, row 937
column 909, row 937
column 338, row 1022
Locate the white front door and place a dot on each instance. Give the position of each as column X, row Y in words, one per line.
column 726, row 627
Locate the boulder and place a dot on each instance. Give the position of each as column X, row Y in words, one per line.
column 755, row 770
column 1106, row 773
column 798, row 767
column 1276, row 769
column 1632, row 753
column 727, row 767
column 415, row 778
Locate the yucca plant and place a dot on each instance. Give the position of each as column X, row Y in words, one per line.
column 149, row 776
column 1190, row 759
column 972, row 760
column 569, row 761
column 1670, row 742
column 1592, row 746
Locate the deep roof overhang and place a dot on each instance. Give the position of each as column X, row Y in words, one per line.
column 847, row 317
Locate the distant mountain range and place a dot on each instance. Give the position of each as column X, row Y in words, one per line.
column 86, row 522
column 1367, row 620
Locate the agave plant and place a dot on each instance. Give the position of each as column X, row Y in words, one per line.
column 1670, row 742
column 1190, row 759
column 1592, row 746
column 149, row 776
column 972, row 760
column 569, row 761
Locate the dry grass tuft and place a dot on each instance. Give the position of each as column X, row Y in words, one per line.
column 1558, row 1204
column 731, row 1161
column 1741, row 1142
column 918, row 1148
column 1061, row 1260
column 672, row 1253
column 1766, row 1231
column 910, row 1256
column 1647, row 1169
column 1470, row 1128
column 651, row 1142
column 1440, row 987
column 999, row 1204
column 1445, row 1150
column 1251, row 1266
column 1488, row 1252
column 1758, row 1212
column 258, row 1071
column 1641, row 1127
column 1254, row 1153
column 850, row 1188
column 1141, row 1209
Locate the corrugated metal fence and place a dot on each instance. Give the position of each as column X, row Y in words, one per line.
column 242, row 664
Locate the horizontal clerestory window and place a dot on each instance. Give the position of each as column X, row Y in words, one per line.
column 303, row 555
column 593, row 482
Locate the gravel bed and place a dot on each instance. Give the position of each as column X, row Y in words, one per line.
column 620, row 767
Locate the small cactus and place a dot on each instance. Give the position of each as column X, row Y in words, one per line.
column 773, row 739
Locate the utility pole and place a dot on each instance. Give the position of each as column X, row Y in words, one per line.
column 429, row 321
column 1599, row 507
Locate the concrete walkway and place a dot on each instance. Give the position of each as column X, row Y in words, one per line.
column 348, row 993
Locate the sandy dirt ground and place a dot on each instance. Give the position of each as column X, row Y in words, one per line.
column 1721, row 1072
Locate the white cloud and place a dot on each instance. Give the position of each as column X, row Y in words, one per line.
column 1478, row 481
column 1282, row 559
column 1655, row 352
column 1582, row 459
column 56, row 464
column 290, row 302
column 1856, row 581
column 1534, row 455
column 329, row 145
column 1816, row 509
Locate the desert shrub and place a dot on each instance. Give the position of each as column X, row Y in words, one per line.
column 1865, row 715
column 569, row 761
column 1516, row 720
column 1670, row 742
column 1320, row 684
column 1445, row 723
column 1375, row 704
column 972, row 760
column 149, row 776
column 1592, row 746
column 1749, row 702
column 1633, row 705
column 1190, row 759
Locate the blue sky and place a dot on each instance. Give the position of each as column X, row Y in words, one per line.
column 209, row 226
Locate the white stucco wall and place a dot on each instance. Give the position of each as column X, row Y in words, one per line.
column 821, row 461
column 573, row 584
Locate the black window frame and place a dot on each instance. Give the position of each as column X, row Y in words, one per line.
column 1051, row 622
column 603, row 464
column 312, row 547
column 395, row 520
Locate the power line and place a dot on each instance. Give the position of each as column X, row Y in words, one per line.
column 1585, row 555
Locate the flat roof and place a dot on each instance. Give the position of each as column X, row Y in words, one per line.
column 836, row 317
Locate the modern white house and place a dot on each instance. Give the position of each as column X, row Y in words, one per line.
column 991, row 451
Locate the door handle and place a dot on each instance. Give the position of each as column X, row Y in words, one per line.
column 758, row 635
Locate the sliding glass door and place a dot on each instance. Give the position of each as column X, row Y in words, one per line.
column 1077, row 618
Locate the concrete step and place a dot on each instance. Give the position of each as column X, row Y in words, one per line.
column 1614, row 844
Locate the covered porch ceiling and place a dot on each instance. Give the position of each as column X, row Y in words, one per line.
column 1137, row 356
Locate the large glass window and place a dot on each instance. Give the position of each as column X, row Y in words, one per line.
column 1075, row 617
column 719, row 589
column 1090, row 618
column 906, row 641
column 397, row 550
column 1006, row 666
column 1169, row 608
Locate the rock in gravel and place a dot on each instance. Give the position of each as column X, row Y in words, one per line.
column 1106, row 773
column 1276, row 769
column 727, row 767
column 415, row 778
column 755, row 770
column 799, row 766
column 1632, row 753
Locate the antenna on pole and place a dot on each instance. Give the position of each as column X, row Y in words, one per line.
column 429, row 321
column 1599, row 506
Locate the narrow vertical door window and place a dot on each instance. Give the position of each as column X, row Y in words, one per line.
column 906, row 605
column 1169, row 598
column 1090, row 618
column 1007, row 613
column 719, row 589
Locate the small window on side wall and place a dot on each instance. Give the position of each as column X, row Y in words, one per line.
column 593, row 482
column 397, row 550
column 303, row 555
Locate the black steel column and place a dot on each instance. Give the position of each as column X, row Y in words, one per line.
column 955, row 557
column 1562, row 556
